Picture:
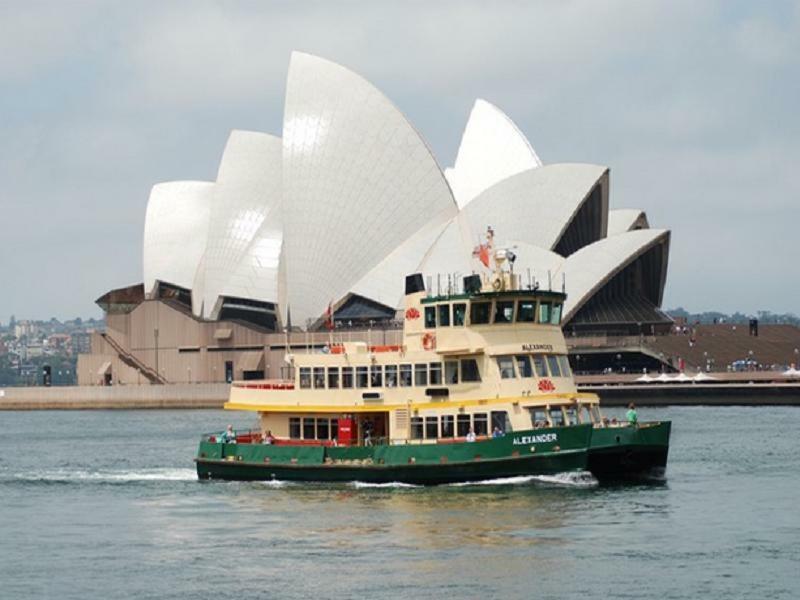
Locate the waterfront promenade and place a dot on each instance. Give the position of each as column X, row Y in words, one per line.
column 767, row 388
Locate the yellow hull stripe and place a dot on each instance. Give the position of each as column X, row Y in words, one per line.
column 538, row 400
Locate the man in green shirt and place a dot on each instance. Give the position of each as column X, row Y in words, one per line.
column 633, row 418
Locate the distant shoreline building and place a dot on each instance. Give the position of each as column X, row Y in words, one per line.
column 334, row 213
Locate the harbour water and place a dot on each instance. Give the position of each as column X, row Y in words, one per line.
column 97, row 504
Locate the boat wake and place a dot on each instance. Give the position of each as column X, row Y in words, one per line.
column 580, row 479
column 81, row 476
column 390, row 485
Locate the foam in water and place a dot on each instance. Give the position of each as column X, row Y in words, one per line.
column 568, row 479
column 70, row 476
column 390, row 485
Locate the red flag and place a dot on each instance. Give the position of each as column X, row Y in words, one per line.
column 482, row 254
column 329, row 316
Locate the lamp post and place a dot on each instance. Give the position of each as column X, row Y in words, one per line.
column 796, row 353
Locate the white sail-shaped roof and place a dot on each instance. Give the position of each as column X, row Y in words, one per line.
column 588, row 269
column 492, row 148
column 175, row 228
column 246, row 196
column 621, row 220
column 535, row 206
column 358, row 181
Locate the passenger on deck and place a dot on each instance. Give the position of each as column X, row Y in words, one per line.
column 497, row 432
column 268, row 438
column 633, row 418
column 471, row 435
column 229, row 436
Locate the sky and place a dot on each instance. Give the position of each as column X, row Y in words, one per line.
column 693, row 105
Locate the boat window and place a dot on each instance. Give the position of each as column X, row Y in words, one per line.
column 405, row 375
column 538, row 417
column 555, row 318
column 462, row 425
column 506, row 366
column 526, row 311
column 323, row 429
column 504, row 311
column 481, row 424
column 431, row 428
column 451, row 372
column 294, row 428
column 421, row 374
column 552, row 362
column 501, row 421
column 444, row 315
column 305, row 377
column 524, row 365
column 391, row 375
column 416, row 428
column 319, row 377
column 571, row 415
column 334, row 428
column 479, row 313
column 540, row 365
column 544, row 313
column 430, row 317
column 362, row 377
column 563, row 362
column 459, row 313
column 448, row 426
column 347, row 377
column 376, row 376
column 556, row 416
column 469, row 370
column 436, row 374
column 333, row 377
column 308, row 428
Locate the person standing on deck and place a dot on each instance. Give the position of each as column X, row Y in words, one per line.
column 633, row 418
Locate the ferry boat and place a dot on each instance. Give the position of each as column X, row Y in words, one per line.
column 480, row 388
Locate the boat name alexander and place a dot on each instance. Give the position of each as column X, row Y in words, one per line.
column 535, row 439
column 532, row 347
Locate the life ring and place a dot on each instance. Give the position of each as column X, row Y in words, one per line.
column 497, row 284
column 429, row 341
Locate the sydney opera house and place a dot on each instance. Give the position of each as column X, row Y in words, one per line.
column 335, row 212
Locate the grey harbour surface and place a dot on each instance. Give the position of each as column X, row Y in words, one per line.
column 99, row 504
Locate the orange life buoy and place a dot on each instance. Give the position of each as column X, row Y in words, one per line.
column 429, row 341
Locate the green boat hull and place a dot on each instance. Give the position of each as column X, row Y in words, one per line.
column 536, row 452
column 620, row 453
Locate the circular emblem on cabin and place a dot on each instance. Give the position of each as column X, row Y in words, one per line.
column 429, row 341
column 545, row 385
column 412, row 313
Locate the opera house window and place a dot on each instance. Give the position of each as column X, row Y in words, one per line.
column 347, row 377
column 469, row 370
column 430, row 317
column 479, row 313
column 444, row 315
column 459, row 313
column 504, row 311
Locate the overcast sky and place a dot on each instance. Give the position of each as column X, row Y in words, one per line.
column 695, row 107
